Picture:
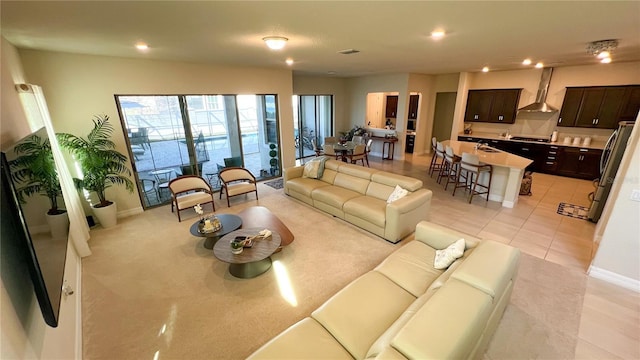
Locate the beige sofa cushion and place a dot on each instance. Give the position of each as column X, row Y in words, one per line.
column 411, row 267
column 370, row 209
column 391, row 179
column 306, row 339
column 305, row 185
column 334, row 196
column 358, row 314
column 351, row 182
column 490, row 269
column 448, row 326
column 379, row 191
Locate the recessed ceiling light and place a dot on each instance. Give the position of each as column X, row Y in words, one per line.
column 331, row 72
column 603, row 55
column 142, row 46
column 526, row 62
column 485, row 69
column 437, row 34
column 289, row 61
column 606, row 60
column 275, row 42
column 539, row 65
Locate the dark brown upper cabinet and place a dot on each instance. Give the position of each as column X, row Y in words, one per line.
column 599, row 106
column 493, row 105
column 413, row 106
column 391, row 109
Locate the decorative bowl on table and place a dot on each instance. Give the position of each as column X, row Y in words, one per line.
column 209, row 225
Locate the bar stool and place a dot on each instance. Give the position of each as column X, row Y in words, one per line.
column 437, row 160
column 451, row 169
column 473, row 168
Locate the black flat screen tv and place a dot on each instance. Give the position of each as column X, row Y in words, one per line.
column 35, row 246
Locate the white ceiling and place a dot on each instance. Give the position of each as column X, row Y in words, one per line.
column 393, row 36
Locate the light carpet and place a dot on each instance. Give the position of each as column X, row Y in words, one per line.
column 151, row 290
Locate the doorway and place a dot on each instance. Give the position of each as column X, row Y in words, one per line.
column 443, row 115
column 312, row 122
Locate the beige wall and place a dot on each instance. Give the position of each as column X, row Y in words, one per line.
column 79, row 86
column 23, row 332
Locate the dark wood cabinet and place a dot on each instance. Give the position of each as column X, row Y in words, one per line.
column 408, row 148
column 530, row 151
column 495, row 106
column 550, row 161
column 631, row 104
column 413, row 106
column 599, row 107
column 579, row 163
column 570, row 107
column 391, row 109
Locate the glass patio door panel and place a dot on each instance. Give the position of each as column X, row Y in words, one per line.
column 157, row 143
column 314, row 122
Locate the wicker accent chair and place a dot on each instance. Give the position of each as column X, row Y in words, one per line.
column 237, row 181
column 189, row 190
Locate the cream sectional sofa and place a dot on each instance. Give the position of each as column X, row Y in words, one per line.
column 359, row 195
column 404, row 308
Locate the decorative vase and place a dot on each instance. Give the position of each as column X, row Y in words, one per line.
column 237, row 247
column 107, row 215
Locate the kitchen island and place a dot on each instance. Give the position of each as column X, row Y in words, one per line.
column 508, row 170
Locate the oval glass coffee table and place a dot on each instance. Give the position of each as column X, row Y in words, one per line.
column 229, row 223
column 252, row 261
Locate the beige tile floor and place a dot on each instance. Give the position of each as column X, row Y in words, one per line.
column 610, row 319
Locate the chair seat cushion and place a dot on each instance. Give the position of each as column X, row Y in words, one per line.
column 190, row 199
column 368, row 208
column 238, row 188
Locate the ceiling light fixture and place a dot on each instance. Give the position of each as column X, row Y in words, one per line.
column 437, row 34
column 606, row 60
column 526, row 62
column 539, row 65
column 485, row 69
column 275, row 42
column 602, row 48
column 289, row 61
column 142, row 46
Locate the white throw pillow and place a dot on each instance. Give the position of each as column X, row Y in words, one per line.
column 446, row 257
column 314, row 169
column 398, row 193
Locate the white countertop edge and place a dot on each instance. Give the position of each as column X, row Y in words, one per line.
column 595, row 144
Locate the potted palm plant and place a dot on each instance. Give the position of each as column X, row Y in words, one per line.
column 34, row 172
column 102, row 166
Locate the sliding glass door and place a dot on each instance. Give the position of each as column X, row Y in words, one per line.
column 313, row 121
column 200, row 135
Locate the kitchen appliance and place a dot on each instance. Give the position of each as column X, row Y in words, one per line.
column 609, row 163
column 540, row 105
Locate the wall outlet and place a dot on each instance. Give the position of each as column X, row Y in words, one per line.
column 635, row 194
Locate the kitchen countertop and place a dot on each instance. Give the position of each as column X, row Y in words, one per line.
column 595, row 144
column 496, row 157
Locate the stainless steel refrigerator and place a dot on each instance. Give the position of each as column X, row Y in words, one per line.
column 609, row 163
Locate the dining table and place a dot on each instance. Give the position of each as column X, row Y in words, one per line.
column 508, row 169
column 344, row 149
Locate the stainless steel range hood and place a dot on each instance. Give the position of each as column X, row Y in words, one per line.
column 541, row 98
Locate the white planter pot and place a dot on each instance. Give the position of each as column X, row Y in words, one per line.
column 107, row 216
column 58, row 225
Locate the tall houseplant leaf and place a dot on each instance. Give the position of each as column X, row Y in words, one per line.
column 102, row 166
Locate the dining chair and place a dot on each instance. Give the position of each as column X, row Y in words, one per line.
column 330, row 140
column 358, row 139
column 237, row 181
column 472, row 167
column 367, row 151
column 316, row 149
column 359, row 153
column 328, row 150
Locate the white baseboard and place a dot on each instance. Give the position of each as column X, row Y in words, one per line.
column 126, row 213
column 78, row 286
column 614, row 278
